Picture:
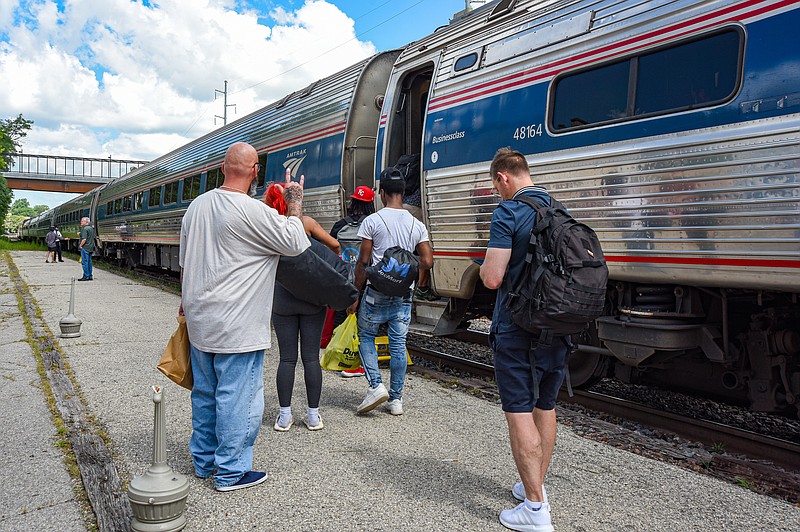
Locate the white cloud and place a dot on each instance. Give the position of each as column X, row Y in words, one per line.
column 115, row 76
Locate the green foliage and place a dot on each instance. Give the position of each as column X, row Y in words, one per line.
column 39, row 209
column 21, row 207
column 6, row 245
column 13, row 222
column 12, row 130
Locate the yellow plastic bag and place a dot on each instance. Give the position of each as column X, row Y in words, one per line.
column 176, row 362
column 342, row 351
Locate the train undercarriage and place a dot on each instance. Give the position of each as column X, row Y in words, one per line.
column 738, row 346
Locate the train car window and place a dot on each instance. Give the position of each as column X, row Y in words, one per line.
column 692, row 75
column 466, row 62
column 137, row 201
column 262, row 171
column 118, row 205
column 171, row 193
column 127, row 201
column 214, row 179
column 696, row 73
column 155, row 197
column 109, row 209
column 191, row 188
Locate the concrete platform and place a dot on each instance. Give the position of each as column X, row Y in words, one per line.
column 444, row 465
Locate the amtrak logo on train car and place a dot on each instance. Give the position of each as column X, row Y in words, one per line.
column 293, row 162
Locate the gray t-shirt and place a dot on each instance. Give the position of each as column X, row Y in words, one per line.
column 230, row 245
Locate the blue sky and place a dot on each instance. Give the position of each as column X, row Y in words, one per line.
column 135, row 79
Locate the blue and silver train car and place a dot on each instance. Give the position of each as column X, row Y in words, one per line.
column 326, row 131
column 670, row 127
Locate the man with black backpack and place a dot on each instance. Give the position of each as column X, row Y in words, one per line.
column 527, row 388
column 385, row 272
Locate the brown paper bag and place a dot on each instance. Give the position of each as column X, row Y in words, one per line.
column 175, row 362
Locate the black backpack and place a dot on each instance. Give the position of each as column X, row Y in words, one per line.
column 563, row 284
column 394, row 274
column 409, row 167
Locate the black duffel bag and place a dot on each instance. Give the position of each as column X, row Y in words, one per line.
column 317, row 276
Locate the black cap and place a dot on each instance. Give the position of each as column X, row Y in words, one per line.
column 391, row 174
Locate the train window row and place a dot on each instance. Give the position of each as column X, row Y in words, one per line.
column 697, row 73
column 71, row 217
column 168, row 194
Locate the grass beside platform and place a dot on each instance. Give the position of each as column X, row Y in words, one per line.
column 19, row 245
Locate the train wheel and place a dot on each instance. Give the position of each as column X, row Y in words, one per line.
column 586, row 369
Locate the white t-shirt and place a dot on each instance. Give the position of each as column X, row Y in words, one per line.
column 392, row 227
column 230, row 245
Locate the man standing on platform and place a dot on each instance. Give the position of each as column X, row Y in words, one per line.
column 230, row 246
column 389, row 227
column 86, row 246
column 531, row 418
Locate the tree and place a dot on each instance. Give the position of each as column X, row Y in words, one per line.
column 12, row 130
column 21, row 207
column 39, row 209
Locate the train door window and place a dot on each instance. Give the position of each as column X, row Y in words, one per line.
column 691, row 74
column 155, row 197
column 191, row 188
column 171, row 193
column 410, row 107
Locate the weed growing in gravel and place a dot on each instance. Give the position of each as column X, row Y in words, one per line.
column 743, row 482
column 718, row 448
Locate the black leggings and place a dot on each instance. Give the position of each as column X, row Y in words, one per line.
column 287, row 328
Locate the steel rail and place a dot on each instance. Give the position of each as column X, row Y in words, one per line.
column 706, row 432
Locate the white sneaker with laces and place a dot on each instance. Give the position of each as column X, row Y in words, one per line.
column 524, row 519
column 375, row 396
column 518, row 491
column 395, row 407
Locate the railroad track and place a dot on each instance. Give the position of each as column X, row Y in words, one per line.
column 712, row 435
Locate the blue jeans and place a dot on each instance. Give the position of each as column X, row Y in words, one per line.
column 86, row 262
column 374, row 310
column 227, row 407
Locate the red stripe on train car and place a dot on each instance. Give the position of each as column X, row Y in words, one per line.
column 694, row 261
column 305, row 137
column 593, row 56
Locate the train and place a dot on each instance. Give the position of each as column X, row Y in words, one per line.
column 672, row 128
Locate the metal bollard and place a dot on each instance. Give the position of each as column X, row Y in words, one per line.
column 70, row 325
column 158, row 498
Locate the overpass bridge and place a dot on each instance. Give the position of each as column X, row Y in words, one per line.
column 58, row 173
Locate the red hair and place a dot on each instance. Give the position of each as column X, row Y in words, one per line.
column 274, row 198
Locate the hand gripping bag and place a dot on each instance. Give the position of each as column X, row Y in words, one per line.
column 342, row 351
column 176, row 362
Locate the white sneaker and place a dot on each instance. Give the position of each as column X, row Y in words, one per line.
column 525, row 520
column 395, row 407
column 280, row 428
column 374, row 397
column 518, row 491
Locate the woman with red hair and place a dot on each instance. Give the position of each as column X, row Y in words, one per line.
column 294, row 318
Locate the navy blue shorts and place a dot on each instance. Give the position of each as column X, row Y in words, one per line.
column 512, row 369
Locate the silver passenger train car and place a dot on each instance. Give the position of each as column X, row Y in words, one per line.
column 670, row 127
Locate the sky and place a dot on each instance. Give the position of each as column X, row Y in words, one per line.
column 135, row 79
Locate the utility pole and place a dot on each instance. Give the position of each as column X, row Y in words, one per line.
column 224, row 116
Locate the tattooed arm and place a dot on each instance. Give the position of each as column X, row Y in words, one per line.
column 293, row 195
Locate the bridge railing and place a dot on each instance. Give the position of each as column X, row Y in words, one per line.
column 71, row 167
